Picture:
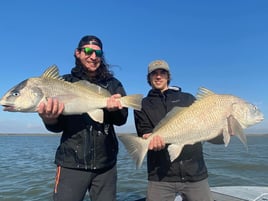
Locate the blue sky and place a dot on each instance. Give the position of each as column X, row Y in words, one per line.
column 221, row 45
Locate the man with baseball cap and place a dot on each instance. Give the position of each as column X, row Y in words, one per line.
column 186, row 175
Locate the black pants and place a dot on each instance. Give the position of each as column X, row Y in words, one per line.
column 72, row 184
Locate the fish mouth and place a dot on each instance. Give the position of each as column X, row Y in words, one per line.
column 9, row 108
column 260, row 119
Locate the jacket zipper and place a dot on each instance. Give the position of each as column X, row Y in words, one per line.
column 94, row 152
column 86, row 147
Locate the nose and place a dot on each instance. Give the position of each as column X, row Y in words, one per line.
column 93, row 55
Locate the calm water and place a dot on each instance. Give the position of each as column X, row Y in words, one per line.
column 27, row 170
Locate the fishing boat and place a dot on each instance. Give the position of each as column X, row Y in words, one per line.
column 235, row 193
column 240, row 193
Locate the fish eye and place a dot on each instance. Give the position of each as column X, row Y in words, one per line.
column 15, row 94
column 254, row 107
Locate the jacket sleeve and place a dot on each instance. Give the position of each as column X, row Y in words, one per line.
column 56, row 128
column 217, row 140
column 118, row 117
column 142, row 123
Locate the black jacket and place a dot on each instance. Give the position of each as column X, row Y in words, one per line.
column 86, row 144
column 190, row 165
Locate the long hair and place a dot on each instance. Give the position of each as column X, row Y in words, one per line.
column 102, row 73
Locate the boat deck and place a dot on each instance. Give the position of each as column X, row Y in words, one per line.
column 240, row 193
column 236, row 193
column 222, row 197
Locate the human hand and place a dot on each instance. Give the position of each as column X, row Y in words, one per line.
column 157, row 143
column 113, row 103
column 50, row 111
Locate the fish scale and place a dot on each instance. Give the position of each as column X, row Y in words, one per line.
column 78, row 97
column 210, row 116
column 199, row 122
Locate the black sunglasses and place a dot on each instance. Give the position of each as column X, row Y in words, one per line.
column 89, row 51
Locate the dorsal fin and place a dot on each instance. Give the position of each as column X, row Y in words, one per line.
column 203, row 92
column 52, row 72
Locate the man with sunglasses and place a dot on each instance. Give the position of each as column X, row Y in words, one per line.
column 87, row 155
column 186, row 175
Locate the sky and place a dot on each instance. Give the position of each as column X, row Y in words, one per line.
column 220, row 45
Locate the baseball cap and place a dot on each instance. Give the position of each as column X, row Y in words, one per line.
column 158, row 64
column 90, row 39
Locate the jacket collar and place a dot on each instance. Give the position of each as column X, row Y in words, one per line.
column 80, row 73
column 157, row 93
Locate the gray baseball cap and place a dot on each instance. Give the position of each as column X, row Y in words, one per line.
column 158, row 64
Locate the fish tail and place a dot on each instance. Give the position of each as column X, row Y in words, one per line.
column 133, row 101
column 137, row 147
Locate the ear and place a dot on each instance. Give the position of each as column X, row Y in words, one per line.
column 77, row 53
column 169, row 77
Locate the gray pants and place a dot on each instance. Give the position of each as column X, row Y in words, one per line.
column 72, row 185
column 190, row 191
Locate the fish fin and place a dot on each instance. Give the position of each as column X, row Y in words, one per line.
column 169, row 116
column 52, row 72
column 174, row 151
column 96, row 115
column 133, row 101
column 137, row 147
column 226, row 137
column 203, row 92
column 93, row 88
column 234, row 128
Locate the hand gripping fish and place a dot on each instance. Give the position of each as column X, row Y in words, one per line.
column 78, row 97
column 209, row 116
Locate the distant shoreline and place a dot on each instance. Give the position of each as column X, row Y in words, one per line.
column 30, row 134
column 59, row 134
column 36, row 134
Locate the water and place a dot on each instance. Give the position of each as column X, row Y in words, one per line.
column 27, row 169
